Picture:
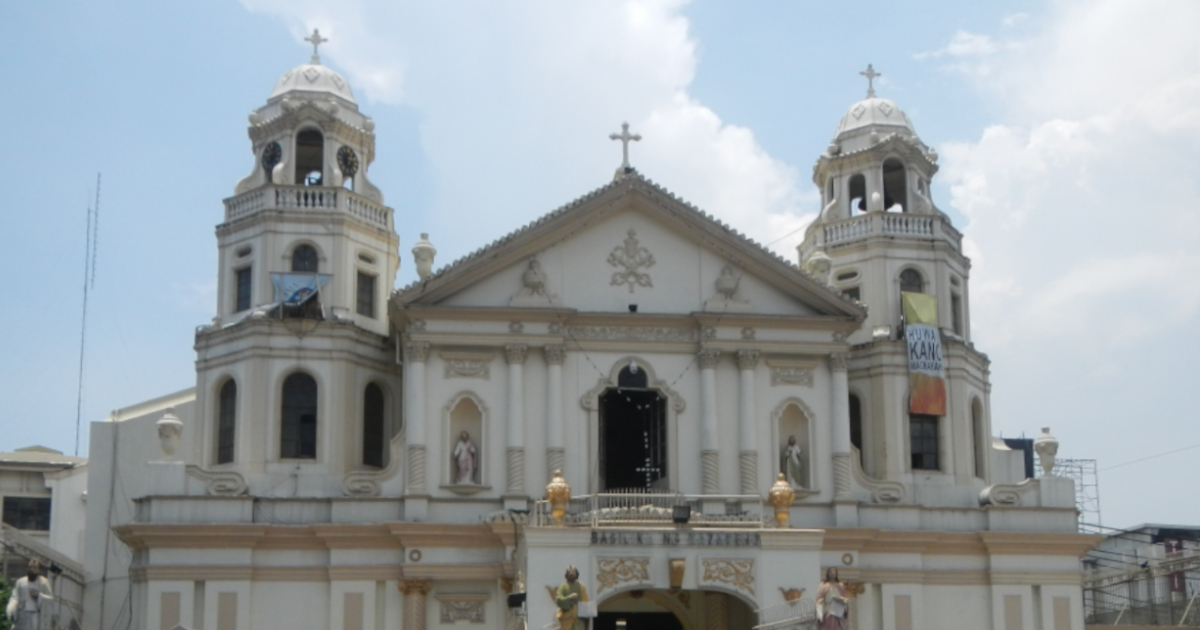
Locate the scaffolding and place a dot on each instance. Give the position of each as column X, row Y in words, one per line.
column 1087, row 490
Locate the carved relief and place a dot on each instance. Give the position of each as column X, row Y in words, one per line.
column 467, row 364
column 416, row 351
column 727, row 297
column 515, row 353
column 463, row 607
column 631, row 257
column 785, row 375
column 737, row 574
column 554, row 354
column 708, row 358
column 533, row 291
column 747, row 359
column 612, row 572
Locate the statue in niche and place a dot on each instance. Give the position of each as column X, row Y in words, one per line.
column 466, row 460
column 533, row 290
column 789, row 463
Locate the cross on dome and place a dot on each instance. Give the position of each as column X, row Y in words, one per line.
column 870, row 74
column 316, row 40
column 625, row 137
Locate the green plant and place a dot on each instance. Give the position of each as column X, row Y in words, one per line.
column 5, row 593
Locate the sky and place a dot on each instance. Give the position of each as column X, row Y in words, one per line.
column 1068, row 133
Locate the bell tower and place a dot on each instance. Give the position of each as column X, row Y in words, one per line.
column 879, row 235
column 296, row 374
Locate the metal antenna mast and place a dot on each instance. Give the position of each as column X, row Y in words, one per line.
column 89, row 280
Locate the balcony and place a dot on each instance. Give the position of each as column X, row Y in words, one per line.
column 916, row 227
column 310, row 199
column 640, row 510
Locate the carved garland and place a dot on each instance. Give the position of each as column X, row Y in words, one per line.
column 737, row 574
column 612, row 572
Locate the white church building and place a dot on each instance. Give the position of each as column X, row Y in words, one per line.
column 357, row 458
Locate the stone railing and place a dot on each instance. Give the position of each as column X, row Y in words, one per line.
column 637, row 509
column 892, row 224
column 307, row 198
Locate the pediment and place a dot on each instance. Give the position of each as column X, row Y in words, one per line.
column 629, row 243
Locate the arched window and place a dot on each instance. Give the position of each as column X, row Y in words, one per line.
column 911, row 281
column 304, row 258
column 980, row 440
column 856, row 434
column 298, row 433
column 895, row 185
column 310, row 157
column 857, row 194
column 373, row 426
column 632, row 376
column 226, row 421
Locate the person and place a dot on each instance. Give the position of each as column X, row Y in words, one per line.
column 791, row 463
column 832, row 607
column 567, row 598
column 29, row 596
column 466, row 456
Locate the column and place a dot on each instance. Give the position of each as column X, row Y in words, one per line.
column 838, row 363
column 415, row 355
column 747, row 360
column 414, row 602
column 709, row 463
column 555, row 450
column 515, row 419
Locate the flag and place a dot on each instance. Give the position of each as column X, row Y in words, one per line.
column 294, row 289
column 926, row 367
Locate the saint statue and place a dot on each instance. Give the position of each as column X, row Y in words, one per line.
column 29, row 594
column 466, row 460
column 832, row 607
column 567, row 598
column 790, row 463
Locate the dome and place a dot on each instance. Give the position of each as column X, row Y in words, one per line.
column 313, row 77
column 874, row 112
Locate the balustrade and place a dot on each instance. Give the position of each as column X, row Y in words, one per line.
column 315, row 198
column 933, row 227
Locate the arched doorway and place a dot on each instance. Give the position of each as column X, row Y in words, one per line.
column 661, row 609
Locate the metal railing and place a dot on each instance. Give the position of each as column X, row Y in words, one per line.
column 313, row 198
column 798, row 614
column 893, row 224
column 640, row 509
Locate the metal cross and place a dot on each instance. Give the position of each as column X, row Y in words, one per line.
column 316, row 40
column 647, row 468
column 625, row 137
column 870, row 74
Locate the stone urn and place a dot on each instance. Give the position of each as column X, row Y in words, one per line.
column 169, row 428
column 1046, row 447
column 423, row 253
column 558, row 492
column 781, row 495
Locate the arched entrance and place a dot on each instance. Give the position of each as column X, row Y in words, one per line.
column 661, row 609
column 633, row 435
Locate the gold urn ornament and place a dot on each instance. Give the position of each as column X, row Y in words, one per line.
column 781, row 496
column 558, row 492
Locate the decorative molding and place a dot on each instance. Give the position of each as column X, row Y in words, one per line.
column 733, row 573
column 839, row 361
column 416, row 351
column 881, row 491
column 556, row 459
column 748, row 333
column 591, row 400
column 463, row 607
column 416, row 325
column 221, row 484
column 781, row 375
column 416, row 469
column 516, row 470
column 554, row 354
column 791, row 594
column 842, row 477
column 632, row 333
column 515, row 353
column 631, row 257
column 467, row 364
column 1007, row 495
column 747, row 359
column 708, row 358
column 613, row 572
column 710, row 478
column 749, row 468
column 415, row 587
column 516, row 327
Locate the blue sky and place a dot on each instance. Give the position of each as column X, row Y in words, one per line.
column 1067, row 131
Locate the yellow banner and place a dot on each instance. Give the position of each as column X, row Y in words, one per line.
column 926, row 367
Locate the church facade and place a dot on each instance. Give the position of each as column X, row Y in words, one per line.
column 358, row 458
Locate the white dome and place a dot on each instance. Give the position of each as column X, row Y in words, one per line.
column 313, row 77
column 873, row 112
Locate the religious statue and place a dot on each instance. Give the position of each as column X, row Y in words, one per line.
column 789, row 463
column 567, row 598
column 832, row 606
column 466, row 460
column 28, row 595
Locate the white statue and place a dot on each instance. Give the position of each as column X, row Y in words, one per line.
column 169, row 428
column 29, row 593
column 423, row 253
column 1046, row 447
column 791, row 463
column 466, row 460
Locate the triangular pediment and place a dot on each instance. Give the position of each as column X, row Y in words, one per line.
column 630, row 242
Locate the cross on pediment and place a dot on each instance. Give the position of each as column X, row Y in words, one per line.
column 625, row 137
column 316, row 40
column 870, row 74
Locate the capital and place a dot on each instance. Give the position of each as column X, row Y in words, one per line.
column 839, row 361
column 420, row 587
column 416, row 351
column 515, row 353
column 708, row 358
column 554, row 354
column 747, row 359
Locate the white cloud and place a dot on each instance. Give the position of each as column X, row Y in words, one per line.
column 517, row 104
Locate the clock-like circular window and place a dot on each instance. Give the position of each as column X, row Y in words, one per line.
column 347, row 160
column 272, row 154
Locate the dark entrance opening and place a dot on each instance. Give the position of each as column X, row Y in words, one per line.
column 638, row 621
column 633, row 435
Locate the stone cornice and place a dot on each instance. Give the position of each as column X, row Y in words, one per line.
column 870, row 541
column 141, row 536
